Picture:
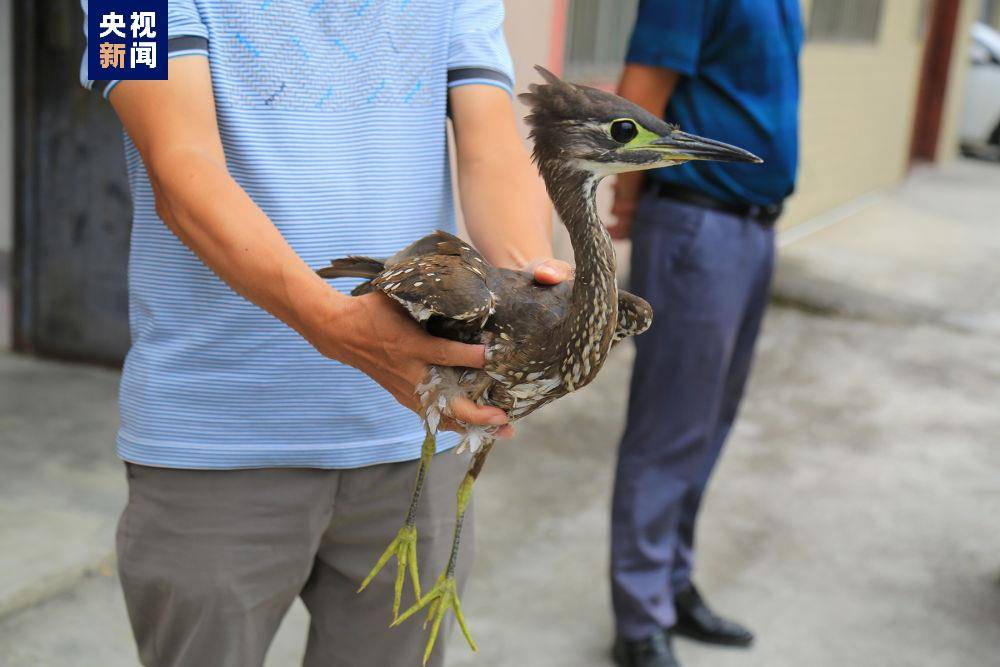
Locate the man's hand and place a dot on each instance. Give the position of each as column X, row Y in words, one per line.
column 626, row 198
column 650, row 88
column 375, row 336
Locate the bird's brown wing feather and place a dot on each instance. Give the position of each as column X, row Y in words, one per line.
column 437, row 243
column 442, row 287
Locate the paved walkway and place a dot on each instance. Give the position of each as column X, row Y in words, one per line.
column 852, row 522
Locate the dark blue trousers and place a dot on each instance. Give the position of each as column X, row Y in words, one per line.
column 707, row 275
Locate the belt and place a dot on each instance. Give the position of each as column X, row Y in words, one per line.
column 766, row 215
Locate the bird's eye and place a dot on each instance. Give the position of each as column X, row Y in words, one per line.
column 623, row 131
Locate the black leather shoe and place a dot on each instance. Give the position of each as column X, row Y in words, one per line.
column 652, row 652
column 696, row 621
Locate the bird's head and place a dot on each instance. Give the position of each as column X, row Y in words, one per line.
column 598, row 132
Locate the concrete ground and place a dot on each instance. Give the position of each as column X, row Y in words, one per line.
column 852, row 520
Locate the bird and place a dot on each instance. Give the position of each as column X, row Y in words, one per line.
column 542, row 342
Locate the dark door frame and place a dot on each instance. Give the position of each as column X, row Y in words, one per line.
column 25, row 187
column 934, row 71
column 72, row 212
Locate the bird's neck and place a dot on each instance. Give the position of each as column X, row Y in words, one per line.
column 593, row 313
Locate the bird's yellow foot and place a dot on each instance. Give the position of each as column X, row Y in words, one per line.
column 440, row 599
column 404, row 548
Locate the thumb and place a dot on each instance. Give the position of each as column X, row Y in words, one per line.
column 550, row 271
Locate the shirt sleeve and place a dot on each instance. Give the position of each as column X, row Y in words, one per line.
column 668, row 33
column 477, row 50
column 186, row 36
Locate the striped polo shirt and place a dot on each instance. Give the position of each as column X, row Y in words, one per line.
column 333, row 119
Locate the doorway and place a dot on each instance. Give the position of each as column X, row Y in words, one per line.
column 942, row 20
column 72, row 210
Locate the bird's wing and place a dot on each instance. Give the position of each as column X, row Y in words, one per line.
column 437, row 243
column 444, row 285
column 635, row 315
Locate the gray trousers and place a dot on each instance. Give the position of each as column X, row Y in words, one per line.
column 707, row 275
column 210, row 561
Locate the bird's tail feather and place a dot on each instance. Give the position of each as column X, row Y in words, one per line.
column 354, row 267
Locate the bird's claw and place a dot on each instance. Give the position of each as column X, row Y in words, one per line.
column 404, row 548
column 442, row 597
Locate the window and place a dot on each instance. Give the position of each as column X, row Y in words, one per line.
column 597, row 34
column 845, row 20
column 991, row 13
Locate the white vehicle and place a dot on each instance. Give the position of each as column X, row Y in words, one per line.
column 980, row 128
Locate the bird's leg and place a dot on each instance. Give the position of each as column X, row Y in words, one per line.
column 444, row 595
column 404, row 546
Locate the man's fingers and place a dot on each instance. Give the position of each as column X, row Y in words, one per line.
column 503, row 433
column 442, row 352
column 551, row 271
column 465, row 410
column 623, row 209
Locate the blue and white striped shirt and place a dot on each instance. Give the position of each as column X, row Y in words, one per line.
column 332, row 115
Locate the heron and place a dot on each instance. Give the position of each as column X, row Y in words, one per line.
column 541, row 342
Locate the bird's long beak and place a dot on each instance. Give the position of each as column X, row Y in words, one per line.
column 682, row 146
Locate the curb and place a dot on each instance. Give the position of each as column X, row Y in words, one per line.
column 794, row 286
column 47, row 588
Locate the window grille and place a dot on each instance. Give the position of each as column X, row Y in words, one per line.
column 845, row 20
column 597, row 34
